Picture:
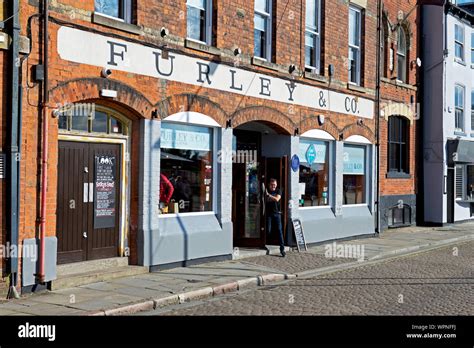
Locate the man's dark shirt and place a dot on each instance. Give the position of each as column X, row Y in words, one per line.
column 272, row 206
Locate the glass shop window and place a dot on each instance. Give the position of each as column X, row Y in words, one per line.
column 355, row 174
column 314, row 173
column 470, row 183
column 186, row 169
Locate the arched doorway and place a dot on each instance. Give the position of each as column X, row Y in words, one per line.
column 261, row 151
column 92, row 205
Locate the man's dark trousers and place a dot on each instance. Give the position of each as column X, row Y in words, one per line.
column 274, row 221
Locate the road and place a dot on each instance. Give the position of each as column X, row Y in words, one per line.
column 438, row 282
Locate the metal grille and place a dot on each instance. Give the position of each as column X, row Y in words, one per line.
column 2, row 166
column 459, row 181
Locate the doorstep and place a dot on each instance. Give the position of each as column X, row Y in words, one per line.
column 88, row 272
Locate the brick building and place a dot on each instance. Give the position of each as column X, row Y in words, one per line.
column 165, row 123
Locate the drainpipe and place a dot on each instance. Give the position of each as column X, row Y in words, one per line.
column 44, row 156
column 12, row 201
column 377, row 113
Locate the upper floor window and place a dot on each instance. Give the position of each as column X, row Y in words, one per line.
column 312, row 35
column 355, row 34
column 472, row 110
column 119, row 9
column 263, row 29
column 402, row 55
column 398, row 144
column 459, row 108
column 199, row 20
column 472, row 48
column 459, row 42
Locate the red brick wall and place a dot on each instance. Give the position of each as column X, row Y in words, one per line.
column 393, row 92
column 234, row 27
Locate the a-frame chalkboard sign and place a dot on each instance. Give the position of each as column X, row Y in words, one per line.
column 299, row 234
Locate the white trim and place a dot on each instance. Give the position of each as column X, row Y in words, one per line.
column 355, row 205
column 192, row 117
column 317, row 134
column 316, row 207
column 204, row 213
column 357, row 139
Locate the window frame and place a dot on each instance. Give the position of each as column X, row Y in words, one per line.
column 472, row 49
column 367, row 173
column 215, row 148
column 207, row 22
column 358, row 48
column 461, row 43
column 316, row 31
column 125, row 11
column 268, row 33
column 472, row 110
column 331, row 179
column 402, row 55
column 403, row 165
column 461, row 108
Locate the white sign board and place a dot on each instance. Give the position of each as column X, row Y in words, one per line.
column 93, row 49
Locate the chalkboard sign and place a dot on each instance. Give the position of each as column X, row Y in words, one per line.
column 105, row 188
column 299, row 234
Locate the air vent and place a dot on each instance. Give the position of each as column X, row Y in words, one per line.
column 2, row 166
column 459, row 181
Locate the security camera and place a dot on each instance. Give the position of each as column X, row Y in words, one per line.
column 237, row 51
column 164, row 32
column 292, row 68
column 106, row 72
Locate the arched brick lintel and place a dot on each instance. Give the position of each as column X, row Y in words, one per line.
column 358, row 129
column 278, row 120
column 312, row 122
column 88, row 89
column 191, row 102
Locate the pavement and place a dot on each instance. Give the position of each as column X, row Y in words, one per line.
column 154, row 291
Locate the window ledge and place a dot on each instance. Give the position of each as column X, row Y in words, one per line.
column 98, row 18
column 264, row 63
column 314, row 76
column 398, row 175
column 460, row 133
column 459, row 61
column 202, row 47
column 354, row 87
column 398, row 83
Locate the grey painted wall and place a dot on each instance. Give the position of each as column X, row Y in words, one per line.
column 387, row 202
column 177, row 238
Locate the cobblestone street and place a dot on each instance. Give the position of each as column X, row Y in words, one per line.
column 438, row 282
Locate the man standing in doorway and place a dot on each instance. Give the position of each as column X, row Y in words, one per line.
column 273, row 211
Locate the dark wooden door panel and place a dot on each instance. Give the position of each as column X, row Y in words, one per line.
column 78, row 240
column 103, row 242
column 72, row 217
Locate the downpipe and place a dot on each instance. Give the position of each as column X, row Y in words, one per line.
column 377, row 113
column 13, row 161
column 44, row 154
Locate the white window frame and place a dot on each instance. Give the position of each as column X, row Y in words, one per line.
column 269, row 30
column 403, row 55
column 316, row 31
column 331, row 144
column 208, row 24
column 125, row 11
column 462, row 59
column 358, row 11
column 353, row 141
column 472, row 110
column 461, row 108
column 472, row 49
column 216, row 147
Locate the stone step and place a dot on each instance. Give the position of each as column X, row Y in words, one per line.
column 95, row 276
column 90, row 266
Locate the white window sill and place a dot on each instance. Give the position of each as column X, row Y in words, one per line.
column 169, row 216
column 355, row 205
column 316, row 207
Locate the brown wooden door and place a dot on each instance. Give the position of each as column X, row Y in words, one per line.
column 88, row 201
